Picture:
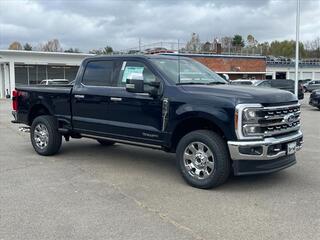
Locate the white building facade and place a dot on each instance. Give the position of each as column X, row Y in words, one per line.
column 287, row 71
column 31, row 67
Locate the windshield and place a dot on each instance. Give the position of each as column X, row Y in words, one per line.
column 191, row 71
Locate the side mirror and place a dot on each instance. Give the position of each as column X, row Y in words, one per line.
column 135, row 85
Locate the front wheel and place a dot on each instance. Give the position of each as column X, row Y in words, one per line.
column 45, row 138
column 203, row 159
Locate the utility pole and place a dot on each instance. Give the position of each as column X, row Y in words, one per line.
column 297, row 49
column 139, row 45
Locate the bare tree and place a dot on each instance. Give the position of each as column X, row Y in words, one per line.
column 52, row 46
column 194, row 45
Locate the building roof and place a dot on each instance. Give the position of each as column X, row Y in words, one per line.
column 24, row 52
column 215, row 55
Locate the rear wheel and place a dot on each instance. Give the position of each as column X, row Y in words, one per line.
column 45, row 138
column 105, row 142
column 203, row 159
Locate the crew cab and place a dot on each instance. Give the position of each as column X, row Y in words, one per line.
column 171, row 103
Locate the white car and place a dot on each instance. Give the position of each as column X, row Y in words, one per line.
column 54, row 82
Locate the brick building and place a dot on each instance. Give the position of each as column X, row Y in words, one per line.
column 236, row 66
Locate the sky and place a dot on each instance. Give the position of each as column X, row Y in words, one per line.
column 94, row 24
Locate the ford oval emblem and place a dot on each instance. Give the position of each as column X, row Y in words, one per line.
column 289, row 119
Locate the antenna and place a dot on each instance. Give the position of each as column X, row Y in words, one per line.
column 178, row 61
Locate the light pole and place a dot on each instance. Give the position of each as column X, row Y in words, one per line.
column 297, row 49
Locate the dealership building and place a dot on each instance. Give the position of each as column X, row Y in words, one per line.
column 285, row 69
column 31, row 67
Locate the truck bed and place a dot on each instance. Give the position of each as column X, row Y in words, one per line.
column 55, row 98
column 46, row 88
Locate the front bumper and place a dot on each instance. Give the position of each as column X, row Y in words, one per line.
column 268, row 161
column 249, row 167
column 278, row 145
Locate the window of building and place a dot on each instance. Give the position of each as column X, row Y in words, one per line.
column 98, row 73
column 21, row 74
column 71, row 72
column 55, row 72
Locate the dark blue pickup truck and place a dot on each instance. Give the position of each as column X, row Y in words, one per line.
column 170, row 103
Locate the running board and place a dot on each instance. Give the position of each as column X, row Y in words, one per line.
column 123, row 141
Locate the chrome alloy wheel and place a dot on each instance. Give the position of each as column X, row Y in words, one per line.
column 41, row 136
column 198, row 160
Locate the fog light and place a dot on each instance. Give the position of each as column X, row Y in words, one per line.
column 250, row 150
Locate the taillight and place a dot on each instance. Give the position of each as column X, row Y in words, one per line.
column 15, row 95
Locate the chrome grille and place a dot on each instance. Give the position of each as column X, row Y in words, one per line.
column 279, row 120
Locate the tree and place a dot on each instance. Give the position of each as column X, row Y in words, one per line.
column 15, row 46
column 52, row 46
column 251, row 41
column 313, row 48
column 27, row 47
column 96, row 51
column 286, row 49
column 194, row 44
column 206, row 47
column 107, row 50
column 72, row 50
column 237, row 41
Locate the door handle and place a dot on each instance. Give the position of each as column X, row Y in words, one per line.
column 116, row 99
column 78, row 96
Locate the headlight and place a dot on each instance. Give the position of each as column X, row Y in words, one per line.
column 247, row 121
column 249, row 114
column 249, row 130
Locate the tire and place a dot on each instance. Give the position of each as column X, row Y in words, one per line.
column 50, row 142
column 105, row 142
column 218, row 162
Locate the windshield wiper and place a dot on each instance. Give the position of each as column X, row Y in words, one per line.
column 191, row 83
column 215, row 83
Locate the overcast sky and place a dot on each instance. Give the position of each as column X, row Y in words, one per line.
column 94, row 24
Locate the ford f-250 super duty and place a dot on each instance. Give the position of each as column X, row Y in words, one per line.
column 169, row 103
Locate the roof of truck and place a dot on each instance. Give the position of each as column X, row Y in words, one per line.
column 149, row 56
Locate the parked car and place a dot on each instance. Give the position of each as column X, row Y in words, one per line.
column 312, row 85
column 314, row 99
column 54, row 82
column 247, row 82
column 287, row 85
column 304, row 81
column 171, row 103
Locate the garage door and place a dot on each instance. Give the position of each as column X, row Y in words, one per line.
column 306, row 75
column 317, row 76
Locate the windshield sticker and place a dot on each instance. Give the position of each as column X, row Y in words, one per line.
column 123, row 65
column 132, row 72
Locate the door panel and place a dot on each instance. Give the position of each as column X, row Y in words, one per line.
column 136, row 116
column 90, row 97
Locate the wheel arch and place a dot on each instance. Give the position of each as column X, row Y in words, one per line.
column 37, row 110
column 192, row 123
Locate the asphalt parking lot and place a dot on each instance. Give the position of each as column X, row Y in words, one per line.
column 122, row 192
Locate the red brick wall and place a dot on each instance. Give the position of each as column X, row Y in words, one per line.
column 223, row 64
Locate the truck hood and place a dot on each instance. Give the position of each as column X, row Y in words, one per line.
column 243, row 94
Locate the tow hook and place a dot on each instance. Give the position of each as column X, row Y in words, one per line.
column 24, row 129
